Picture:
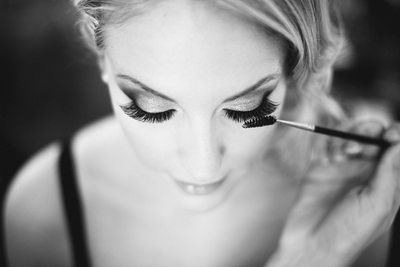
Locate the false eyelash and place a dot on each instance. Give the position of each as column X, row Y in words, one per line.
column 134, row 111
column 266, row 107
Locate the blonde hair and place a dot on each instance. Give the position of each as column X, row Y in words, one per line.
column 309, row 29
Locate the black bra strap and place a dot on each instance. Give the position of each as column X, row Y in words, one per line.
column 73, row 206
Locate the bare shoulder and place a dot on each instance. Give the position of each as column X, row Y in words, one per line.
column 33, row 214
column 35, row 224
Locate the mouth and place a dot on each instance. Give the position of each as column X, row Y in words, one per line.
column 199, row 189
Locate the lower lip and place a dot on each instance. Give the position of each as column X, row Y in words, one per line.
column 199, row 190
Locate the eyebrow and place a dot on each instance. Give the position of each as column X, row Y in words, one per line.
column 144, row 87
column 255, row 86
column 270, row 77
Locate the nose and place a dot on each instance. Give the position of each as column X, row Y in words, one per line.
column 201, row 151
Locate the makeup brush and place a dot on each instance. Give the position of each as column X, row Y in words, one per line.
column 270, row 120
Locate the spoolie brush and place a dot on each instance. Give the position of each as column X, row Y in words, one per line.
column 270, row 120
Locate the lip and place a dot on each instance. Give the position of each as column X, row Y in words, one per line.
column 199, row 189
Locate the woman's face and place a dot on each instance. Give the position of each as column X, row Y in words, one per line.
column 187, row 74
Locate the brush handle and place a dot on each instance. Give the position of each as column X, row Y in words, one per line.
column 351, row 136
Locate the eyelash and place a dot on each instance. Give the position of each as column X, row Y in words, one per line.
column 134, row 111
column 265, row 108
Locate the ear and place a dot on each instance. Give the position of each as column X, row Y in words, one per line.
column 104, row 68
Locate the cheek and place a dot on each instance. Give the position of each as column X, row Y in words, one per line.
column 154, row 148
column 250, row 146
column 151, row 142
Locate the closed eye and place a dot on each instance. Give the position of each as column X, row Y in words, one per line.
column 134, row 111
column 265, row 108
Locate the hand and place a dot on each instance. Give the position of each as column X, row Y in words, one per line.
column 345, row 203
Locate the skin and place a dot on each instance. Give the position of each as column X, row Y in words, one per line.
column 185, row 53
column 345, row 205
column 136, row 214
column 127, row 168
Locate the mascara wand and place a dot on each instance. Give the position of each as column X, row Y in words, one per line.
column 270, row 120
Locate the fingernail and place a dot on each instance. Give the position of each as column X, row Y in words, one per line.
column 352, row 148
column 392, row 136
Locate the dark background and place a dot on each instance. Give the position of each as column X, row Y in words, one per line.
column 50, row 85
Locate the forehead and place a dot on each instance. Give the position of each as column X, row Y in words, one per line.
column 176, row 44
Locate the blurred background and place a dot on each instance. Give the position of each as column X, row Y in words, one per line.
column 51, row 86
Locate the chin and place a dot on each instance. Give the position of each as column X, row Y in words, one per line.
column 200, row 204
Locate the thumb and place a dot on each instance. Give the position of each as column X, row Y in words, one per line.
column 321, row 190
column 384, row 189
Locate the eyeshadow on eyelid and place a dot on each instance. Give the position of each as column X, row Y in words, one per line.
column 136, row 94
column 246, row 105
column 150, row 104
column 131, row 92
column 146, row 101
column 252, row 100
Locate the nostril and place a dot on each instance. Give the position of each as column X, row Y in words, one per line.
column 222, row 150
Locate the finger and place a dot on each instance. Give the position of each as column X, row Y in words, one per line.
column 324, row 187
column 384, row 189
column 341, row 149
column 334, row 146
column 392, row 134
column 341, row 173
column 326, row 183
column 350, row 164
column 372, row 128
